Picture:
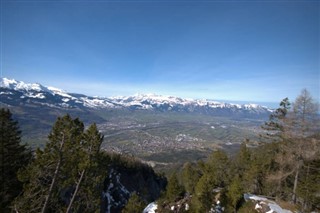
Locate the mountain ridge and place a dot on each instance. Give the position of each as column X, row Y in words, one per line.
column 11, row 89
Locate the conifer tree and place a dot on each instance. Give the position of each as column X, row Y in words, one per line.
column 309, row 188
column 190, row 177
column 277, row 124
column 216, row 174
column 202, row 199
column 134, row 204
column 235, row 193
column 13, row 156
column 174, row 189
column 88, row 181
column 277, row 132
column 243, row 159
column 218, row 168
column 65, row 140
column 49, row 173
column 65, row 175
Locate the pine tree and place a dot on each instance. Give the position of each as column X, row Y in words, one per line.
column 235, row 193
column 277, row 132
column 88, row 182
column 277, row 124
column 218, row 168
column 13, row 156
column 243, row 159
column 49, row 173
column 203, row 198
column 174, row 189
column 65, row 139
column 67, row 165
column 134, row 204
column 190, row 177
column 309, row 187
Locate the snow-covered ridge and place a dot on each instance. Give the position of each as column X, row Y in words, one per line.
column 149, row 100
column 138, row 101
column 35, row 87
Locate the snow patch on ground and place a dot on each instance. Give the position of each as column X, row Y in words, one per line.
column 260, row 201
column 151, row 208
column 109, row 197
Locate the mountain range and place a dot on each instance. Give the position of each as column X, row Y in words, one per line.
column 17, row 93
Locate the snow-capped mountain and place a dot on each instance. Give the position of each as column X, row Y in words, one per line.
column 149, row 101
column 14, row 92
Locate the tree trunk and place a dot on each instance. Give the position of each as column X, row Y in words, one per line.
column 294, row 197
column 79, row 182
column 54, row 180
column 295, row 185
column 75, row 191
column 278, row 189
column 306, row 196
column 53, row 183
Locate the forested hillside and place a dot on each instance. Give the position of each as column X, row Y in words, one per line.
column 72, row 174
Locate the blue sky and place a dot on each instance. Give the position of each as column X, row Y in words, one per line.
column 231, row 50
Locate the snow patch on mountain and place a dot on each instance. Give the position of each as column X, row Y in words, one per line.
column 56, row 91
column 6, row 93
column 36, row 95
column 20, row 85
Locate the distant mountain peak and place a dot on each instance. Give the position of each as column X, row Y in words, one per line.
column 36, row 87
column 20, row 85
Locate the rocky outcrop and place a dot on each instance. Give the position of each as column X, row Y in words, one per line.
column 124, row 179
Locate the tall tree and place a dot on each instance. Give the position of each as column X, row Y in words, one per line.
column 293, row 131
column 215, row 175
column 65, row 139
column 134, row 204
column 218, row 168
column 305, row 124
column 203, row 197
column 235, row 193
column 89, row 176
column 66, row 174
column 309, row 188
column 277, row 132
column 305, row 111
column 190, row 177
column 13, row 156
column 278, row 122
column 174, row 189
column 243, row 158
